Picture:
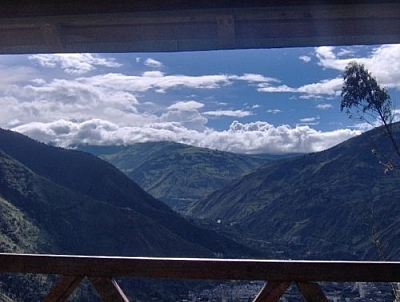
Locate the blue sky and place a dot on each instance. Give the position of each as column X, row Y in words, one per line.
column 246, row 101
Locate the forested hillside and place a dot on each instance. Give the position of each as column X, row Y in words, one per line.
column 333, row 204
column 179, row 174
column 69, row 202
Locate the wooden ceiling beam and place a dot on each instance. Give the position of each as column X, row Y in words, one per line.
column 53, row 37
column 189, row 28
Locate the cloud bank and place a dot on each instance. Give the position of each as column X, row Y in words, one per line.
column 94, row 100
column 252, row 138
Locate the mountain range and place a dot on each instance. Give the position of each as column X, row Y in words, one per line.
column 335, row 204
column 342, row 203
column 62, row 201
column 179, row 174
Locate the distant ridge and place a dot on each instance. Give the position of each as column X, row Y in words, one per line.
column 323, row 205
column 177, row 173
column 90, row 178
column 60, row 201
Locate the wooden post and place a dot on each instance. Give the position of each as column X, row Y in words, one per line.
column 272, row 291
column 63, row 288
column 311, row 292
column 226, row 31
column 108, row 289
column 53, row 37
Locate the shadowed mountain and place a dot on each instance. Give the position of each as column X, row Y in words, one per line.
column 176, row 173
column 94, row 192
column 54, row 200
column 324, row 205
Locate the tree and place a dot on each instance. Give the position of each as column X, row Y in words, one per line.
column 361, row 97
column 364, row 99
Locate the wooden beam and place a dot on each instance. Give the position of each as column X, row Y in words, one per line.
column 311, row 292
column 38, row 8
column 272, row 291
column 192, row 268
column 226, row 31
column 108, row 289
column 189, row 26
column 63, row 288
column 53, row 37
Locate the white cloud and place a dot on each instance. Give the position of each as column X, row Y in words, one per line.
column 274, row 111
column 186, row 114
column 232, row 113
column 305, row 59
column 153, row 74
column 73, row 63
column 63, row 99
column 346, row 52
column 328, row 57
column 186, row 105
column 123, row 107
column 324, row 106
column 256, row 137
column 15, row 74
column 383, row 62
column 154, row 80
column 309, row 119
column 252, row 77
column 112, row 97
column 153, row 63
column 328, row 87
column 280, row 88
column 262, row 137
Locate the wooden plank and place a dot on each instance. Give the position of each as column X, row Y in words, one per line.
column 311, row 292
column 52, row 35
column 64, row 287
column 193, row 268
column 44, row 7
column 226, row 31
column 189, row 26
column 108, row 289
column 272, row 291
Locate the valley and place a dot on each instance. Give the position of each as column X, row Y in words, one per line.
column 330, row 205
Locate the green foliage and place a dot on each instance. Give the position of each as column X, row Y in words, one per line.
column 315, row 205
column 17, row 233
column 179, row 174
column 361, row 92
column 90, row 207
column 60, row 201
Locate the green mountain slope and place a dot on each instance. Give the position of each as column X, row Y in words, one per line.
column 76, row 189
column 59, row 201
column 176, row 173
column 324, row 205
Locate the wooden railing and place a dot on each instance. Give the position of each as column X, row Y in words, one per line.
column 278, row 274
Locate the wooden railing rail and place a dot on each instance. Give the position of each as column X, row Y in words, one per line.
column 279, row 273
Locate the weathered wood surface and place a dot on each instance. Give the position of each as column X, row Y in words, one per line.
column 108, row 289
column 63, row 288
column 179, row 268
column 272, row 291
column 311, row 292
column 122, row 26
